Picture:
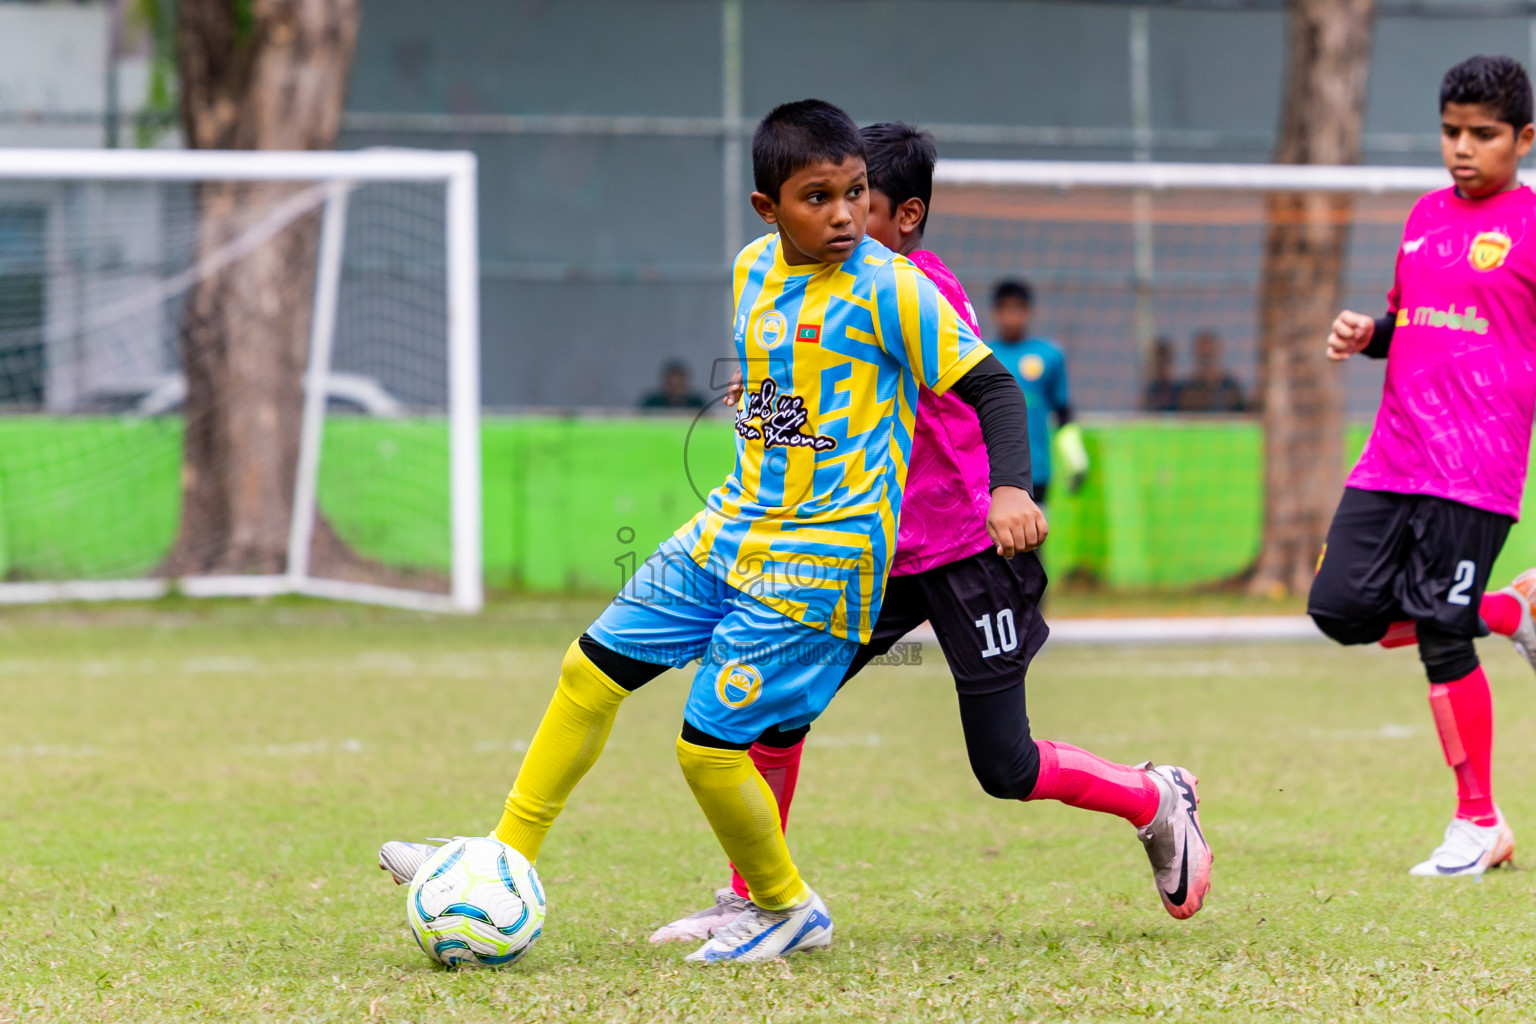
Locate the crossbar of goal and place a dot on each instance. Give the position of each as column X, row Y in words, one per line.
column 379, row 164
column 457, row 172
column 1067, row 174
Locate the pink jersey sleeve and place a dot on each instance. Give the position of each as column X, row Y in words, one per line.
column 944, row 507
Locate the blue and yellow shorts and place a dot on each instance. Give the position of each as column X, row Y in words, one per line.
column 758, row 668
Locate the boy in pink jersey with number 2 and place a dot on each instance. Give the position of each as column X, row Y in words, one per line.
column 985, row 609
column 1428, row 506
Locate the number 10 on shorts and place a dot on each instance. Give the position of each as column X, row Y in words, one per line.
column 1008, row 636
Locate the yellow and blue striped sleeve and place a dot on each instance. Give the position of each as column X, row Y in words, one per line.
column 920, row 329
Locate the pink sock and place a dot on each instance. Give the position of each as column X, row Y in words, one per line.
column 1501, row 612
column 1080, row 779
column 1463, row 713
column 780, row 768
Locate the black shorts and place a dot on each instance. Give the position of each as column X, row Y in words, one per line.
column 985, row 610
column 1391, row 557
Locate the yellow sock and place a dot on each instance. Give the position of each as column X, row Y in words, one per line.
column 741, row 809
column 569, row 739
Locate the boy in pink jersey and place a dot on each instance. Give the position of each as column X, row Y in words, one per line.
column 985, row 609
column 1428, row 506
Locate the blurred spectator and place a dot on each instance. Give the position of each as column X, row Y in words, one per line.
column 1211, row 388
column 676, row 391
column 1162, row 392
column 1041, row 371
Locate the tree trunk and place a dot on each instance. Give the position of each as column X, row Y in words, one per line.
column 1302, row 289
column 268, row 75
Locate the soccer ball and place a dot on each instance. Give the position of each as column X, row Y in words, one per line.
column 477, row 901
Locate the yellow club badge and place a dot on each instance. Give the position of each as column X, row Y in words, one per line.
column 1032, row 367
column 739, row 684
column 1489, row 250
column 771, row 328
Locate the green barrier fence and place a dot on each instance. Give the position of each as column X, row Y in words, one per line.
column 571, row 504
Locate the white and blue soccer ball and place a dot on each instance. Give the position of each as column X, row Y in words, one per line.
column 476, row 902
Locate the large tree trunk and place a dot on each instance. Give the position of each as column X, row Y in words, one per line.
column 1302, row 394
column 270, row 75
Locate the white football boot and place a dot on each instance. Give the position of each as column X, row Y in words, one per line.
column 1180, row 856
column 1468, row 850
column 759, row 934
column 402, row 860
column 1523, row 589
column 700, row 925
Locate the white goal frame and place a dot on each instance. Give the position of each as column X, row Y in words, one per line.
column 1066, row 174
column 339, row 172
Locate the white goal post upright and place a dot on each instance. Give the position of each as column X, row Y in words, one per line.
column 338, row 174
column 463, row 259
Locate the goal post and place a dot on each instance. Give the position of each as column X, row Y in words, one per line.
column 358, row 412
column 1152, row 278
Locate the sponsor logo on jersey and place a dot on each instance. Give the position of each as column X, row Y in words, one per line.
column 771, row 328
column 809, row 333
column 1489, row 250
column 1466, row 320
column 739, row 684
column 1414, row 246
column 1031, row 367
column 780, row 417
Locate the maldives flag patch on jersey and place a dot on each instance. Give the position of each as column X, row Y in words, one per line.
column 810, row 333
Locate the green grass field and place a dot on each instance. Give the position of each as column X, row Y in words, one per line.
column 191, row 797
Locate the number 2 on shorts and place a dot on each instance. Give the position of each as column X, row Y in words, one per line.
column 1466, row 573
column 1005, row 632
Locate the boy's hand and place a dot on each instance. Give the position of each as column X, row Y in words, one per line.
column 1351, row 333
column 734, row 392
column 1015, row 523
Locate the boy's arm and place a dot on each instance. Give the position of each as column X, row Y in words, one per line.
column 1014, row 522
column 990, row 389
column 1381, row 336
column 1069, row 436
column 1355, row 332
column 1061, row 394
column 917, row 327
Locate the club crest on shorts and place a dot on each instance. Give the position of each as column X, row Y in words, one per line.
column 739, row 684
column 1489, row 250
column 771, row 328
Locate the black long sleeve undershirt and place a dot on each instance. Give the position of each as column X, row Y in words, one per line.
column 990, row 389
column 1381, row 337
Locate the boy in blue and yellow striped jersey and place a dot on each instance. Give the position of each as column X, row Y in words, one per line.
column 775, row 583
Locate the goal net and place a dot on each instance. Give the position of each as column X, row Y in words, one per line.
column 1150, row 278
column 239, row 374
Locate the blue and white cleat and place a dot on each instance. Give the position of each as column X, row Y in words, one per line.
column 759, row 934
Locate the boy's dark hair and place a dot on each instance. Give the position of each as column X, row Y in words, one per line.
column 1498, row 83
column 797, row 134
column 1012, row 289
column 900, row 160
